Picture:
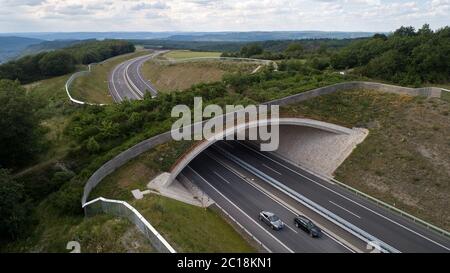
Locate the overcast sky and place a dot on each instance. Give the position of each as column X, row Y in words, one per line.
column 219, row 15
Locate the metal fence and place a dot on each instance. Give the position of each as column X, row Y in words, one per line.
column 125, row 210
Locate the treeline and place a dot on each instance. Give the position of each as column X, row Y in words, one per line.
column 273, row 48
column 59, row 62
column 406, row 57
column 282, row 50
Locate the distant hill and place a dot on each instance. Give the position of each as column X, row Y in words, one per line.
column 50, row 45
column 268, row 36
column 11, row 47
column 197, row 36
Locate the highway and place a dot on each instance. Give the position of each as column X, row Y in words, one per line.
column 396, row 231
column 126, row 81
column 244, row 200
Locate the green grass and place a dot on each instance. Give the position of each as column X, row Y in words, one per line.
column 185, row 54
column 445, row 96
column 100, row 233
column 177, row 221
column 56, row 111
column 189, row 228
column 404, row 160
column 138, row 172
column 93, row 87
column 181, row 76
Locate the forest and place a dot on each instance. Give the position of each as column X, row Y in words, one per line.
column 406, row 57
column 59, row 62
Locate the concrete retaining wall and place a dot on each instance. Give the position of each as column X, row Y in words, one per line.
column 318, row 150
column 118, row 161
column 146, row 145
column 426, row 91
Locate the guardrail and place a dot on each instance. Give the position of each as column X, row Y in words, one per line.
column 82, row 73
column 147, row 144
column 125, row 210
column 390, row 207
column 356, row 231
column 74, row 77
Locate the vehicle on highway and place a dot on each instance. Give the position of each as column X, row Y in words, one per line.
column 271, row 220
column 307, row 225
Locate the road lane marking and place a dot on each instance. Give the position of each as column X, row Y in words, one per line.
column 114, row 84
column 240, row 210
column 133, row 87
column 279, row 201
column 140, row 76
column 344, row 209
column 290, row 228
column 356, row 203
column 271, row 169
column 221, row 177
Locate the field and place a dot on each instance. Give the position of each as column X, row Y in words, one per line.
column 93, row 87
column 177, row 221
column 404, row 160
column 185, row 54
column 171, row 77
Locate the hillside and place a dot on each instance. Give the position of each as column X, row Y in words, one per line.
column 11, row 46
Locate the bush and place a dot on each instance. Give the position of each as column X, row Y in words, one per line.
column 13, row 207
column 20, row 136
column 68, row 199
column 56, row 63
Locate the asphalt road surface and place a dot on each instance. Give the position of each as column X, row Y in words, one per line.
column 393, row 229
column 126, row 81
column 243, row 201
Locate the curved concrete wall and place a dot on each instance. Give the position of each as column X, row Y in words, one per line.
column 148, row 144
column 309, row 123
column 318, row 150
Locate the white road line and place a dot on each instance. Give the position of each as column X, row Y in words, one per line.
column 275, row 199
column 344, row 209
column 240, row 210
column 124, row 76
column 133, row 88
column 114, row 84
column 271, row 169
column 221, row 177
column 286, row 225
column 356, row 203
column 228, row 144
column 140, row 76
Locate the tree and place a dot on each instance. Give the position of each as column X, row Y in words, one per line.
column 250, row 50
column 294, row 50
column 19, row 125
column 13, row 207
column 92, row 145
column 57, row 63
column 405, row 31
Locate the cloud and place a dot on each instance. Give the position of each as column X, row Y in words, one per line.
column 217, row 15
column 149, row 5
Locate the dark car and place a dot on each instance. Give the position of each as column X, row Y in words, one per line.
column 271, row 220
column 307, row 225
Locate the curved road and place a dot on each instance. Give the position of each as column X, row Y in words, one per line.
column 126, row 81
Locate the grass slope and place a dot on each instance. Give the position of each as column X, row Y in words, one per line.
column 171, row 77
column 188, row 228
column 185, row 54
column 93, row 87
column 97, row 234
column 404, row 161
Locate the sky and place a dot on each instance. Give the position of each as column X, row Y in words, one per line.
column 219, row 15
